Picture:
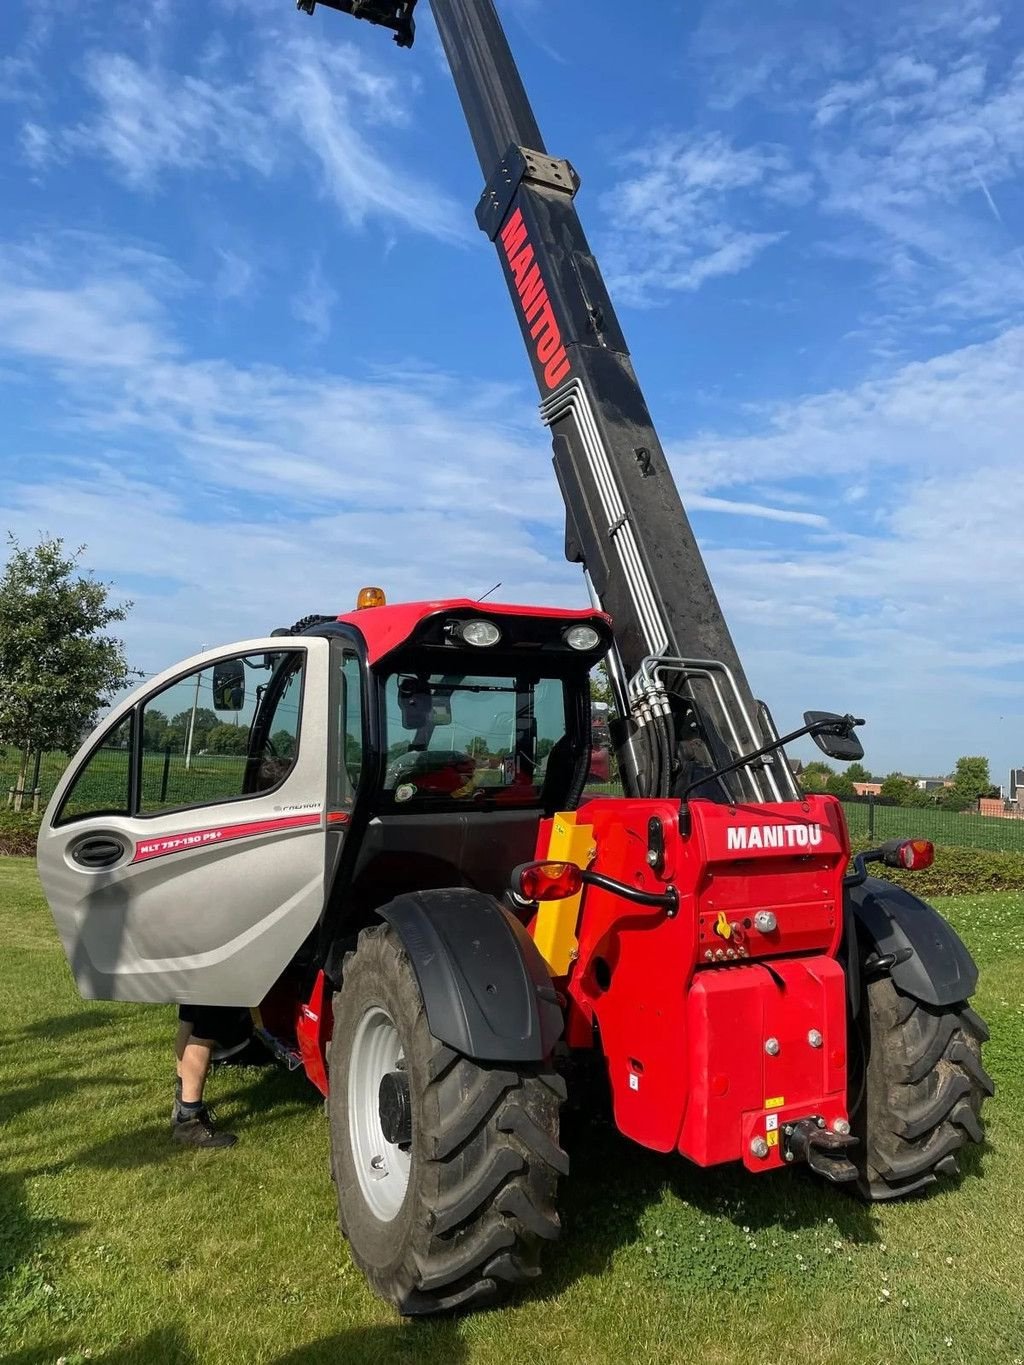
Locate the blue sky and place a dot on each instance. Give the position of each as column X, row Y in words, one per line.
column 254, row 352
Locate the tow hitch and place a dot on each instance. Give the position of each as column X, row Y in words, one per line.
column 825, row 1152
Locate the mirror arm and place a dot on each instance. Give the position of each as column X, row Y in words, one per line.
column 814, row 728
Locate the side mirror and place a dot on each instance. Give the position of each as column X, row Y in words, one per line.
column 833, row 734
column 228, row 685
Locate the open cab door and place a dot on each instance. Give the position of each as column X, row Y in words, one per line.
column 183, row 854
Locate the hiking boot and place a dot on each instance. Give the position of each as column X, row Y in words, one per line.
column 200, row 1130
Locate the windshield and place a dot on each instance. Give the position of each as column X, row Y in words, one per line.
column 471, row 737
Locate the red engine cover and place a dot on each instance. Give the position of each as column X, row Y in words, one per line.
column 680, row 1004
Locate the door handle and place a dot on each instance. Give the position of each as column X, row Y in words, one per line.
column 99, row 852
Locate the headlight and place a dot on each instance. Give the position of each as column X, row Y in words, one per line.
column 480, row 633
column 582, row 637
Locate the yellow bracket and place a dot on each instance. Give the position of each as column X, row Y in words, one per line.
column 555, row 930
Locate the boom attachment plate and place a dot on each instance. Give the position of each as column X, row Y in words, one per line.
column 393, row 14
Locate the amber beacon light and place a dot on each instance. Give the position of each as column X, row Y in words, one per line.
column 370, row 597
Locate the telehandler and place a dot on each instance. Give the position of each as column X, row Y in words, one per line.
column 403, row 877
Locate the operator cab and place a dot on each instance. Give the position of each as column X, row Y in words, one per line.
column 477, row 726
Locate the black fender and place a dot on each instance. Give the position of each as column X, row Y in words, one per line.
column 930, row 962
column 486, row 989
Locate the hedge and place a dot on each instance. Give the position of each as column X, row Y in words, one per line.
column 18, row 831
column 957, row 872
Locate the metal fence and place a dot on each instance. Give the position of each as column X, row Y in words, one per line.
column 870, row 819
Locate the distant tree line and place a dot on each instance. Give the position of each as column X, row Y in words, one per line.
column 970, row 780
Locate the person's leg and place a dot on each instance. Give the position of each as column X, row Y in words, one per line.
column 193, row 1063
column 193, row 1123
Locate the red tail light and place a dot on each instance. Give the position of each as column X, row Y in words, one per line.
column 549, row 881
column 916, row 854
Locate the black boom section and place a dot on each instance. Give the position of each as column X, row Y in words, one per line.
column 485, row 988
column 673, row 663
column 921, row 952
column 624, row 519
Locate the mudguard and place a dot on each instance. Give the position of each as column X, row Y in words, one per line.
column 485, row 987
column 931, row 963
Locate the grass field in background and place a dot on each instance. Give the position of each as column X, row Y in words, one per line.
column 208, row 777
column 116, row 1247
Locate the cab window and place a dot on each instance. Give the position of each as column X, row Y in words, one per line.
column 348, row 727
column 457, row 737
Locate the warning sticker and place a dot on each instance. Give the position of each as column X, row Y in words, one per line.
column 776, row 1102
column 771, row 1123
column 772, row 1138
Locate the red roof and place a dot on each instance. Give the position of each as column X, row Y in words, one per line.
column 385, row 628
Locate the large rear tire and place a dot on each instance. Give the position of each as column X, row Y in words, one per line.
column 456, row 1216
column 920, row 1090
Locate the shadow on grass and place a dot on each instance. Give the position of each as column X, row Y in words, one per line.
column 616, row 1187
column 22, row 1238
column 276, row 1096
column 420, row 1342
column 51, row 1088
column 164, row 1346
column 70, row 1025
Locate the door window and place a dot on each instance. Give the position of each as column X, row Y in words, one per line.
column 205, row 742
column 103, row 785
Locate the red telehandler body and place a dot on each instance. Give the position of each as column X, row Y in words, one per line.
column 402, row 877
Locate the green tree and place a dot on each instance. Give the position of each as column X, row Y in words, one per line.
column 58, row 667
column 283, row 742
column 206, row 721
column 815, row 775
column 227, row 739
column 897, row 788
column 839, row 784
column 857, row 772
column 970, row 780
column 155, row 730
column 600, row 685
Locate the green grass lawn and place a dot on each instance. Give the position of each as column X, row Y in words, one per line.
column 117, row 1247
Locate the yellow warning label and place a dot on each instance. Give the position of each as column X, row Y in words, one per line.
column 772, row 1138
column 776, row 1103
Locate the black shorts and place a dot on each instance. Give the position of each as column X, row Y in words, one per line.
column 226, row 1025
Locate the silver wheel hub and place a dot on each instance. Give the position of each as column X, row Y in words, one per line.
column 382, row 1167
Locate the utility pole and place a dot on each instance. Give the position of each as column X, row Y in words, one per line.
column 192, row 720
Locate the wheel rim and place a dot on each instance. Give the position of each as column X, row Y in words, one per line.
column 382, row 1167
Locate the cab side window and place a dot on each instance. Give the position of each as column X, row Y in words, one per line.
column 103, row 784
column 207, row 740
column 349, row 730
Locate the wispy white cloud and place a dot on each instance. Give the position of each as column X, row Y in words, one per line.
column 701, row 502
column 150, row 122
column 235, row 275
column 314, row 303
column 290, row 483
column 682, row 213
column 911, row 602
column 297, row 103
